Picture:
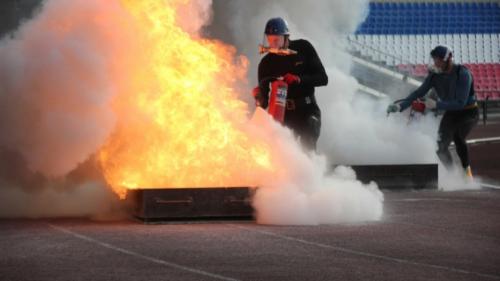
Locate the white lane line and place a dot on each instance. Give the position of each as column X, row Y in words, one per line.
column 490, row 185
column 140, row 256
column 427, row 199
column 365, row 254
column 473, row 141
column 386, row 71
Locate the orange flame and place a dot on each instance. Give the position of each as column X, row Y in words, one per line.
column 182, row 124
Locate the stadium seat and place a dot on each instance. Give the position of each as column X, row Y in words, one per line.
column 402, row 34
column 436, row 18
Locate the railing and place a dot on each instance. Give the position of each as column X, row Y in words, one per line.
column 399, row 61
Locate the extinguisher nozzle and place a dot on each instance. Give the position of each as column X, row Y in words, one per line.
column 278, row 51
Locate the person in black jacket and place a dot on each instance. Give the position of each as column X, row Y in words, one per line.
column 297, row 62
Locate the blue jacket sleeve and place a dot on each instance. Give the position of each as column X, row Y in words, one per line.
column 418, row 93
column 461, row 92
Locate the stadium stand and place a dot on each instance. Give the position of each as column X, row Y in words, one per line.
column 400, row 35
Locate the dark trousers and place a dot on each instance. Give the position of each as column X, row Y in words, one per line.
column 305, row 122
column 455, row 126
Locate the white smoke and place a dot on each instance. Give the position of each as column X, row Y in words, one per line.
column 55, row 82
column 58, row 74
column 454, row 179
column 90, row 199
column 309, row 194
column 357, row 130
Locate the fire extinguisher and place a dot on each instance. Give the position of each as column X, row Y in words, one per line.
column 277, row 99
column 416, row 106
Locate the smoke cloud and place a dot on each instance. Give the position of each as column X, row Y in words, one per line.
column 309, row 193
column 58, row 75
column 454, row 179
column 55, row 83
column 91, row 199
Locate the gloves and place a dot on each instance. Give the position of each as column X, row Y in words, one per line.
column 392, row 108
column 256, row 95
column 430, row 104
column 291, row 79
column 260, row 99
column 256, row 92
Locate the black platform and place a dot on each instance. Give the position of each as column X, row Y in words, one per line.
column 152, row 205
column 399, row 177
column 170, row 204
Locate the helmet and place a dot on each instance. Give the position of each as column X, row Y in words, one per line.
column 441, row 52
column 276, row 26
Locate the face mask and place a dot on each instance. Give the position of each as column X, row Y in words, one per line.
column 283, row 51
column 432, row 68
column 265, row 42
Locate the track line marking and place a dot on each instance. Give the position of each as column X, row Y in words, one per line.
column 427, row 199
column 366, row 254
column 489, row 185
column 483, row 140
column 140, row 256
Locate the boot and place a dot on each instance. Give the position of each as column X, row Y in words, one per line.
column 468, row 173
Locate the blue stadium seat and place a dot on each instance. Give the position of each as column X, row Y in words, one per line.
column 434, row 17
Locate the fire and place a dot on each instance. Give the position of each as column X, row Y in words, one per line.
column 182, row 124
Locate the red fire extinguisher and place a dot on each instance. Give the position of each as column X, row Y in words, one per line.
column 277, row 100
column 418, row 106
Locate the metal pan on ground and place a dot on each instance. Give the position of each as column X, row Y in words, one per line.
column 180, row 204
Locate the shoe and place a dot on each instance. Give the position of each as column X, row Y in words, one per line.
column 468, row 173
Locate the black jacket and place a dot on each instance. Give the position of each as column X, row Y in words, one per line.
column 306, row 64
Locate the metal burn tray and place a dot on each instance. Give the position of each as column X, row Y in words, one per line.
column 191, row 203
column 171, row 204
column 399, row 177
